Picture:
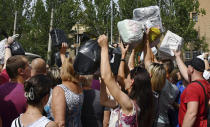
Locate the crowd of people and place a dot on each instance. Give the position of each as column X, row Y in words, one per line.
column 152, row 93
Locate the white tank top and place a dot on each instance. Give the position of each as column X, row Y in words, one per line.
column 42, row 122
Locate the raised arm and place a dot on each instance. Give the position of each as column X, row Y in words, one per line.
column 131, row 61
column 104, row 100
column 108, row 78
column 8, row 53
column 182, row 67
column 121, row 71
column 147, row 51
column 63, row 51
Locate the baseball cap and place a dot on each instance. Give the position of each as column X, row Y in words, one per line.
column 197, row 64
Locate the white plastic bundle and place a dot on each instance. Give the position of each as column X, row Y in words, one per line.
column 131, row 31
column 2, row 48
column 171, row 42
column 149, row 16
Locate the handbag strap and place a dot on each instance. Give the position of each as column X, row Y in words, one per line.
column 206, row 100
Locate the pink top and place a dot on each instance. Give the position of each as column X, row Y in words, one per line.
column 118, row 119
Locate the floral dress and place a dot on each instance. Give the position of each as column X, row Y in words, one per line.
column 118, row 119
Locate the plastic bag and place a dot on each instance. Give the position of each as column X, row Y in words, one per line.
column 57, row 36
column 87, row 60
column 115, row 57
column 17, row 49
column 2, row 50
column 171, row 42
column 131, row 31
column 149, row 16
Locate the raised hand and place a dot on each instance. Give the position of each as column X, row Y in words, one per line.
column 177, row 53
column 10, row 40
column 64, row 46
column 103, row 41
column 123, row 49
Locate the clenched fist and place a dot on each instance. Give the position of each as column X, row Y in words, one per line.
column 103, row 41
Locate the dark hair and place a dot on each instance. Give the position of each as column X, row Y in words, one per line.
column 36, row 88
column 174, row 77
column 168, row 65
column 13, row 63
column 142, row 93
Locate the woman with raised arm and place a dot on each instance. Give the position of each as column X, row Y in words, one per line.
column 67, row 98
column 135, row 108
column 37, row 90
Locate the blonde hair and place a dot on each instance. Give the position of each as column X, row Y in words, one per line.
column 86, row 80
column 67, row 71
column 158, row 73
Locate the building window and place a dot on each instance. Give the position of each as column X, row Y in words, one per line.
column 187, row 55
column 195, row 17
column 196, row 53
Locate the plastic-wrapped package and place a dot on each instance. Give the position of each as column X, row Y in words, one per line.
column 149, row 16
column 17, row 49
column 171, row 42
column 114, row 58
column 131, row 31
column 58, row 36
column 2, row 50
column 87, row 60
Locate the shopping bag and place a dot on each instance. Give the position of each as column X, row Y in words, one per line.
column 87, row 60
column 58, row 36
column 17, row 49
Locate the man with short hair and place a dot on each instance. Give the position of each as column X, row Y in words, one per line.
column 38, row 66
column 193, row 110
column 12, row 99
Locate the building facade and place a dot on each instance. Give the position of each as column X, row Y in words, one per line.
column 203, row 22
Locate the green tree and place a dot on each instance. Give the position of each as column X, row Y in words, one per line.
column 35, row 36
column 96, row 15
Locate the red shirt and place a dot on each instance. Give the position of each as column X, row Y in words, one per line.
column 4, row 77
column 194, row 92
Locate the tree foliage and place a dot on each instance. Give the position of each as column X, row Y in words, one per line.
column 33, row 18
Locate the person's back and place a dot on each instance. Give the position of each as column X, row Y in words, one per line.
column 42, row 122
column 13, row 102
column 73, row 107
column 92, row 110
column 167, row 98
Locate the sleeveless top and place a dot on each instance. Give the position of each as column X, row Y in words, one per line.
column 42, row 122
column 118, row 119
column 73, row 107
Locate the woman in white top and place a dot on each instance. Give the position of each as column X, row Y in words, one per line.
column 37, row 91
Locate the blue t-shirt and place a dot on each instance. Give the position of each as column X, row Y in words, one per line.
column 181, row 88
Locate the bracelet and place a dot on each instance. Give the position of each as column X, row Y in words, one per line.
column 122, row 60
column 205, row 58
